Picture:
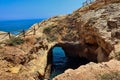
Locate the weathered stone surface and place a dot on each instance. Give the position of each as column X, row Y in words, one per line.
column 116, row 34
column 23, row 62
column 92, row 71
column 112, row 24
column 85, row 35
column 91, row 32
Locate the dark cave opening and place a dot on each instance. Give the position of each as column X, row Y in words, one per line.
column 61, row 62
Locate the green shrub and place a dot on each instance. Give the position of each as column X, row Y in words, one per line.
column 14, row 41
column 47, row 30
column 118, row 55
column 1, row 45
column 51, row 38
column 110, row 76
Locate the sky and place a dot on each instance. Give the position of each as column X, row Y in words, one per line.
column 36, row 9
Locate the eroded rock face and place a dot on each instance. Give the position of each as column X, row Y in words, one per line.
column 73, row 49
column 23, row 62
column 93, row 71
column 96, row 30
column 90, row 33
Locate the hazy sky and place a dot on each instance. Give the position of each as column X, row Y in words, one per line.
column 30, row 9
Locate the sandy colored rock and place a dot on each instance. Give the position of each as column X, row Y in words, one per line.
column 15, row 69
column 91, row 32
column 91, row 71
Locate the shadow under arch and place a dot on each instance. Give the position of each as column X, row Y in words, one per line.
column 74, row 59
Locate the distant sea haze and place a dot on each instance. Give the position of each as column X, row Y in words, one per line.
column 17, row 25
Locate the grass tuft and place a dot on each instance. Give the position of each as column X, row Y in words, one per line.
column 14, row 41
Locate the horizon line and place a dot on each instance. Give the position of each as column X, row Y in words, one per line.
column 22, row 19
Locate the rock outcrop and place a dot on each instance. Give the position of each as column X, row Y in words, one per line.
column 92, row 71
column 23, row 62
column 92, row 32
column 96, row 31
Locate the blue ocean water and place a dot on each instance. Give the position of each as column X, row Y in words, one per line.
column 59, row 61
column 17, row 25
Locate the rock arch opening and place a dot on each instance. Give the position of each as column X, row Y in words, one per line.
column 59, row 61
column 64, row 56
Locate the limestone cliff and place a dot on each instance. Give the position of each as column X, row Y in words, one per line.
column 95, row 32
column 92, row 32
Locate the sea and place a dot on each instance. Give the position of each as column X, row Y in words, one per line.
column 14, row 26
